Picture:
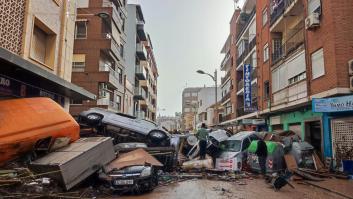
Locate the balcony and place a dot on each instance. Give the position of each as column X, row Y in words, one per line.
column 226, row 63
column 225, row 78
column 117, row 19
column 140, row 93
column 226, row 117
column 110, row 105
column 140, row 115
column 140, row 27
column 279, row 7
column 295, row 41
column 253, row 74
column 115, row 78
column 241, row 58
column 291, row 93
column 113, row 46
column 141, row 51
column 141, row 73
column 226, row 97
column 248, row 19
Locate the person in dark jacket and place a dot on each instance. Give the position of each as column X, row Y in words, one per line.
column 202, row 135
column 261, row 153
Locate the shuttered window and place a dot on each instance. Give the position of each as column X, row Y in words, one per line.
column 39, row 44
column 78, row 63
column 318, row 64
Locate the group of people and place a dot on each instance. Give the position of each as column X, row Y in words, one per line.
column 261, row 152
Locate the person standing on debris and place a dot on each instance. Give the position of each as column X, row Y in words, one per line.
column 202, row 135
column 261, row 153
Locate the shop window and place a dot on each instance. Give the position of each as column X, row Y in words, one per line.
column 78, row 63
column 81, row 30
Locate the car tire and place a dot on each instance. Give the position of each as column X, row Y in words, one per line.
column 94, row 119
column 158, row 138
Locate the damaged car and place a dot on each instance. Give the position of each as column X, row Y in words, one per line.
column 124, row 128
column 135, row 171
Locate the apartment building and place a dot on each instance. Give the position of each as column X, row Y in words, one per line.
column 229, row 80
column 98, row 59
column 171, row 123
column 206, row 98
column 304, row 53
column 141, row 67
column 190, row 104
column 36, row 46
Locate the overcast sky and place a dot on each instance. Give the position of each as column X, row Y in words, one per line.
column 187, row 35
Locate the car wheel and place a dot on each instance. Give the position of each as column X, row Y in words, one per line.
column 157, row 138
column 94, row 119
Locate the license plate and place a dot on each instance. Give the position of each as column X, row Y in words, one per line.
column 123, row 182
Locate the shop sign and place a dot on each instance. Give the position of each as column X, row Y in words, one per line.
column 336, row 104
column 247, row 89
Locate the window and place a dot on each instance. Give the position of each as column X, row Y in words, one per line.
column 267, row 90
column 264, row 17
column 78, row 63
column 314, row 6
column 120, row 75
column 43, row 44
column 82, row 3
column 118, row 102
column 200, row 104
column 318, row 64
column 81, row 30
column 266, row 52
column 76, row 102
column 297, row 78
column 194, row 94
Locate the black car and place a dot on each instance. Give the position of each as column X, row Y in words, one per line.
column 124, row 128
column 137, row 179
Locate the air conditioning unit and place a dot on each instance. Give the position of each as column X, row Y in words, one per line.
column 312, row 21
column 350, row 67
column 351, row 83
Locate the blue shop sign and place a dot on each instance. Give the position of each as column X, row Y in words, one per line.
column 336, row 104
column 247, row 88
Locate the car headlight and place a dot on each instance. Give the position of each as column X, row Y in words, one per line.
column 146, row 172
column 93, row 117
column 158, row 135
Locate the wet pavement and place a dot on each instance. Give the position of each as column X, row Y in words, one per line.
column 243, row 189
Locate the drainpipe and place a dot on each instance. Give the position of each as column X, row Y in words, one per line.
column 63, row 39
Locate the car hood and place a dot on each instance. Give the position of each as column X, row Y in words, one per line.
column 129, row 170
column 228, row 154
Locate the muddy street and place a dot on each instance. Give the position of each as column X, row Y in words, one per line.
column 254, row 189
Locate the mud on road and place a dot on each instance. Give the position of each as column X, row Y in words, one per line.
column 243, row 189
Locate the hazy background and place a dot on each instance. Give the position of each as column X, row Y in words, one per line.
column 187, row 35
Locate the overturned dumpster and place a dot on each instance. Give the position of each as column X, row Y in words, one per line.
column 73, row 164
column 32, row 124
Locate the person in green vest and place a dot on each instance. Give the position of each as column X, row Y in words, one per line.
column 202, row 135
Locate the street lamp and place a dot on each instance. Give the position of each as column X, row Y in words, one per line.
column 214, row 78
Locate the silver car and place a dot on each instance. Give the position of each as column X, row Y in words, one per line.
column 124, row 128
column 234, row 151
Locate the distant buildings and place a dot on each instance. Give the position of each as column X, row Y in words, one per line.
column 171, row 123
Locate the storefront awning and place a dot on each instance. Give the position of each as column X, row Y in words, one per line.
column 15, row 67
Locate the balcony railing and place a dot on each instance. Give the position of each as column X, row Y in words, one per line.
column 247, row 22
column 225, row 117
column 140, row 93
column 291, row 93
column 226, row 97
column 140, row 115
column 278, row 8
column 241, row 58
column 225, row 61
column 140, row 72
column 240, row 85
column 224, row 79
column 253, row 74
column 114, row 77
column 114, row 47
column 141, row 51
column 295, row 40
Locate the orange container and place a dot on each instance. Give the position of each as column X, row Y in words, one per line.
column 24, row 122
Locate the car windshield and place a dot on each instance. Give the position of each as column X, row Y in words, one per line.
column 231, row 145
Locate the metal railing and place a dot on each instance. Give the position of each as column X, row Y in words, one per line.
column 248, row 48
column 114, row 44
column 240, row 85
column 226, row 97
column 225, row 61
column 140, row 92
column 247, row 22
column 278, row 7
column 294, row 41
column 224, row 79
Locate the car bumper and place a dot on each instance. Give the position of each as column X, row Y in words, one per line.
column 137, row 184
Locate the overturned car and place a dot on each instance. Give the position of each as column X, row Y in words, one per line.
column 124, row 128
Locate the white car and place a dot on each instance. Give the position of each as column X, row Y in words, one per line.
column 234, row 151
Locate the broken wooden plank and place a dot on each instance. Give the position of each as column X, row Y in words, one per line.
column 290, row 162
column 307, row 176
